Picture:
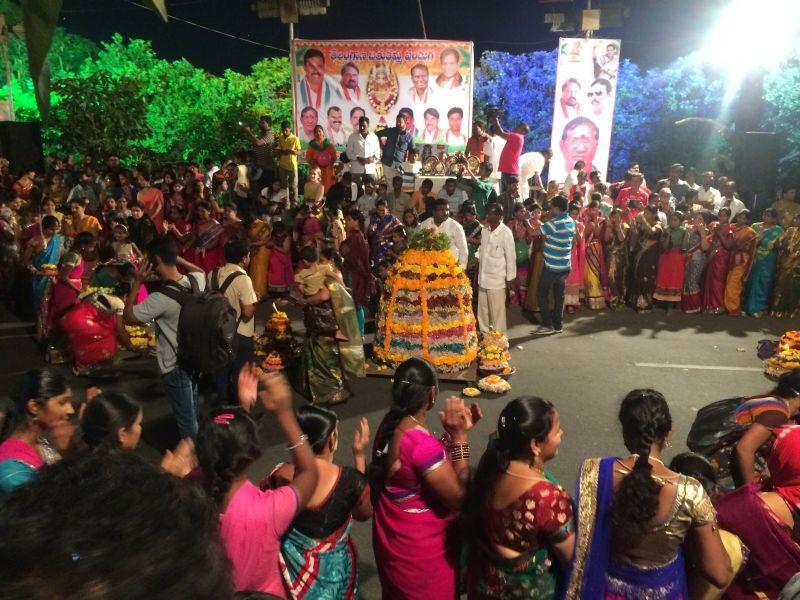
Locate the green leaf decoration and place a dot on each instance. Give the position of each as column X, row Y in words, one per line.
column 40, row 18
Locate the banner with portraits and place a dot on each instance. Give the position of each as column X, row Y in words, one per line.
column 428, row 81
column 586, row 86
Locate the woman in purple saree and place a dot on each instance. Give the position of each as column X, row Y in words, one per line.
column 766, row 517
column 633, row 515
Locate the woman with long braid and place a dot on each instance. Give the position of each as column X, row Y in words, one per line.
column 634, row 515
column 518, row 518
column 418, row 485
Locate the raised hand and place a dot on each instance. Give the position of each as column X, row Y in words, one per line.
column 456, row 418
column 182, row 460
column 247, row 387
column 361, row 437
column 276, row 396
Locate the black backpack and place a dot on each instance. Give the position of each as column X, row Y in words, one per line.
column 206, row 326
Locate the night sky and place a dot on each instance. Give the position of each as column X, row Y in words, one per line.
column 654, row 33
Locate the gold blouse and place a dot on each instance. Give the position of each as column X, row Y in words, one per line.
column 691, row 508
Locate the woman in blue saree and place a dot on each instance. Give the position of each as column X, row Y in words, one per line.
column 762, row 275
column 45, row 249
column 380, row 233
column 634, row 515
column 318, row 556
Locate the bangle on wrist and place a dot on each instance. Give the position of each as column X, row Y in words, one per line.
column 458, row 451
column 303, row 440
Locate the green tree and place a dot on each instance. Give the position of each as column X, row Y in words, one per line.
column 97, row 114
column 782, row 95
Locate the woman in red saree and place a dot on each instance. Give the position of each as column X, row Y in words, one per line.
column 322, row 154
column 355, row 252
column 92, row 328
column 207, row 239
column 596, row 272
column 671, row 263
column 766, row 517
column 719, row 257
column 281, row 275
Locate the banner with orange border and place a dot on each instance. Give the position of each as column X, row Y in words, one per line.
column 338, row 81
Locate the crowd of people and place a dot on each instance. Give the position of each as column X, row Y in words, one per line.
column 81, row 514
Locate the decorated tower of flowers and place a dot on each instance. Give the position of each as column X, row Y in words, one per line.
column 426, row 308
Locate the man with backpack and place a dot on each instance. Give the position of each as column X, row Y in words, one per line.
column 162, row 306
column 232, row 282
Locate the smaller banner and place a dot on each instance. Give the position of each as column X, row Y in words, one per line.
column 586, row 86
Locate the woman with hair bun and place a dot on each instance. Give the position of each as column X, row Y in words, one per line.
column 318, row 555
column 40, row 407
column 252, row 521
column 519, row 517
column 112, row 421
column 634, row 515
column 418, row 485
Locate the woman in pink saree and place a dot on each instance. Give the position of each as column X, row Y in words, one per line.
column 576, row 277
column 719, row 258
column 766, row 517
column 93, row 327
column 418, row 486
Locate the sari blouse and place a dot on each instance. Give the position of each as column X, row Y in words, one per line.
column 660, row 545
column 540, row 516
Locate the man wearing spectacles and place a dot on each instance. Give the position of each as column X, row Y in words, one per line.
column 600, row 96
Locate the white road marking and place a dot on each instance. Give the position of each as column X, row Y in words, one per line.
column 696, row 367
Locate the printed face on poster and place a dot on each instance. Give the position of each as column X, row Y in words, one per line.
column 586, row 86
column 427, row 81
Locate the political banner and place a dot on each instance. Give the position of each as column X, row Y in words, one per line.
column 428, row 81
column 586, row 86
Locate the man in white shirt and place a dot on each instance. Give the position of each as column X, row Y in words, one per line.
column 707, row 195
column 232, row 281
column 366, row 201
column 364, row 151
column 730, row 200
column 455, row 197
column 572, row 176
column 441, row 223
column 336, row 132
column 497, row 271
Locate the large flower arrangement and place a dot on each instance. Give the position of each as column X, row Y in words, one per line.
column 426, row 308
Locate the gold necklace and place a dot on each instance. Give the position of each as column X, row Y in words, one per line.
column 417, row 422
column 653, row 458
column 537, row 470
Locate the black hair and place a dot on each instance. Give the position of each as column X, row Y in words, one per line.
column 560, row 202
column 102, row 524
column 286, row 125
column 432, row 112
column 577, row 122
column 772, row 212
column 645, row 419
column 318, row 423
column 356, row 215
column 311, row 53
column 604, row 82
column 49, row 222
column 228, row 443
column 235, row 250
column 38, row 385
column 441, row 202
column 455, row 111
column 84, row 238
column 414, row 380
column 333, row 255
column 278, row 227
column 697, row 466
column 165, row 249
column 788, row 384
column 309, row 254
column 204, row 205
column 381, row 201
column 105, row 415
column 524, row 419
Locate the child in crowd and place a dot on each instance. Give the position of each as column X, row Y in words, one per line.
column 123, row 247
column 310, row 275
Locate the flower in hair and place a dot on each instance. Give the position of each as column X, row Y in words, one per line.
column 502, row 421
column 224, row 419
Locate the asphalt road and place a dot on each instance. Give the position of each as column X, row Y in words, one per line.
column 585, row 372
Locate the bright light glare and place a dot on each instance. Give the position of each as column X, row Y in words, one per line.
column 752, row 34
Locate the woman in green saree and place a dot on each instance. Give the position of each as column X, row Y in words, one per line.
column 786, row 300
column 333, row 350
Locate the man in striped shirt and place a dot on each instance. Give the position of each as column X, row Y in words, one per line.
column 558, row 234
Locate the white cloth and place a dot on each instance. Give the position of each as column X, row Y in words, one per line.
column 496, row 258
column 208, row 177
column 366, row 203
column 492, row 310
column 455, row 201
column 363, row 147
column 458, row 241
column 735, row 205
column 572, row 179
column 710, row 195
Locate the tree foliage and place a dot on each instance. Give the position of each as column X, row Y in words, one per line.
column 782, row 95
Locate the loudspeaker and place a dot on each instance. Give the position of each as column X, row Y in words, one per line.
column 21, row 144
column 756, row 155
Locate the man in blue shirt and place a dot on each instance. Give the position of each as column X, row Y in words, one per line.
column 395, row 144
column 558, row 233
